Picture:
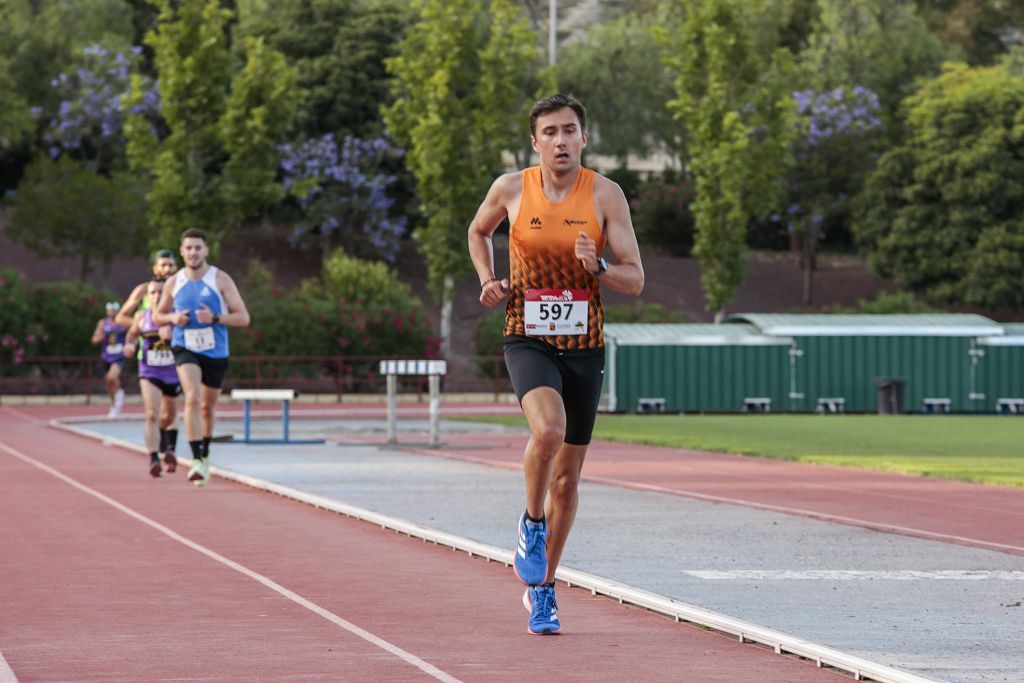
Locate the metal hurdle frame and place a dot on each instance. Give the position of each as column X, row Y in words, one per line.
column 433, row 369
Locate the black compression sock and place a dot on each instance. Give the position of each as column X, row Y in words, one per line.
column 197, row 448
column 172, row 439
column 163, row 440
column 206, row 447
column 154, row 457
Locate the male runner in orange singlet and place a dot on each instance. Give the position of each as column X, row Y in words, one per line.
column 561, row 216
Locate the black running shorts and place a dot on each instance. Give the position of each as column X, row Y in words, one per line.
column 575, row 374
column 213, row 369
column 169, row 390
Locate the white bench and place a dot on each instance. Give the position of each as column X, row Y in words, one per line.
column 434, row 370
column 650, row 405
column 834, row 404
column 936, row 405
column 285, row 396
column 757, row 404
column 1010, row 406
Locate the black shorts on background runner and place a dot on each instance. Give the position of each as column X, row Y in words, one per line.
column 576, row 374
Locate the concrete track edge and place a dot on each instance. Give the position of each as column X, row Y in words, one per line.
column 745, row 632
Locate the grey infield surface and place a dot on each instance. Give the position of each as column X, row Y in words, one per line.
column 942, row 626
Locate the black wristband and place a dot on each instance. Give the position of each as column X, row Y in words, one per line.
column 486, row 282
column 216, row 318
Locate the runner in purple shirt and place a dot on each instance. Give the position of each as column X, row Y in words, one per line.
column 109, row 335
column 158, row 382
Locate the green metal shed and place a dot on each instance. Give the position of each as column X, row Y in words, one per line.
column 1000, row 370
column 841, row 356
column 692, row 367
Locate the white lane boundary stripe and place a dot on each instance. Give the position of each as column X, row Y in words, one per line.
column 747, row 632
column 405, row 656
column 6, row 674
column 854, row 575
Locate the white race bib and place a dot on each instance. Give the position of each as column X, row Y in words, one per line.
column 199, row 339
column 156, row 358
column 556, row 311
column 115, row 349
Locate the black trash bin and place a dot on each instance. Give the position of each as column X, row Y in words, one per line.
column 890, row 395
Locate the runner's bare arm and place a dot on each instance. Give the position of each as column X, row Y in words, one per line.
column 237, row 314
column 97, row 334
column 124, row 314
column 626, row 275
column 495, row 207
column 162, row 313
column 132, row 336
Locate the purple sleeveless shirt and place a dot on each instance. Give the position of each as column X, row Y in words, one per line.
column 157, row 360
column 113, row 342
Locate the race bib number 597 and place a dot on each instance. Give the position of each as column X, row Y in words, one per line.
column 556, row 311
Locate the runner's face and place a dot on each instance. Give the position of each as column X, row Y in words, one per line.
column 164, row 267
column 153, row 292
column 559, row 139
column 194, row 252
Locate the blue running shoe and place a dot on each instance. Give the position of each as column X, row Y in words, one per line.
column 531, row 559
column 540, row 600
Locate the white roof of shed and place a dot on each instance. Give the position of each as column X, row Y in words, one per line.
column 852, row 325
column 689, row 334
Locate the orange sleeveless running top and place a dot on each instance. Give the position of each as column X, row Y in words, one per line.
column 541, row 255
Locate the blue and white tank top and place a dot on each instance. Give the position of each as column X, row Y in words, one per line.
column 208, row 339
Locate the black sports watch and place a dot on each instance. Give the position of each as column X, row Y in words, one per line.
column 216, row 318
column 602, row 266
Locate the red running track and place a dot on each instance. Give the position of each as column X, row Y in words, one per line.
column 107, row 574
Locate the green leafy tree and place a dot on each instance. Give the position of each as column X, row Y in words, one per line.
column 881, row 45
column 338, row 50
column 462, row 82
column 732, row 100
column 943, row 215
column 616, row 69
column 982, row 30
column 95, row 220
column 211, row 158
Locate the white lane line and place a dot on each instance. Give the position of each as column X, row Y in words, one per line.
column 405, row 656
column 855, row 575
column 6, row 674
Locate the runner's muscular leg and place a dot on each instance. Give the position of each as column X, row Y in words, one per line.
column 546, row 415
column 209, row 407
column 563, row 501
column 151, row 402
column 168, row 411
column 191, row 377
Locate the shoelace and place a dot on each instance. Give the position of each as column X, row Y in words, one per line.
column 546, row 597
column 535, row 542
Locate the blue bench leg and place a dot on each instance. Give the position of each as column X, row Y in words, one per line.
column 245, row 411
column 284, row 420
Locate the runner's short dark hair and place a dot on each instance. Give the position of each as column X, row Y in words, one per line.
column 554, row 103
column 193, row 232
column 161, row 253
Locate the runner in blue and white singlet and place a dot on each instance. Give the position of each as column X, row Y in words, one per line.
column 200, row 301
column 208, row 339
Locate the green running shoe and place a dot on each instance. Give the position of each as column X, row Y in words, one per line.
column 199, row 473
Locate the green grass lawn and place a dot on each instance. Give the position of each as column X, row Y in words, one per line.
column 982, row 449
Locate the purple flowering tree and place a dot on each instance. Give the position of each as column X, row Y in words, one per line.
column 840, row 131
column 342, row 190
column 88, row 122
